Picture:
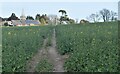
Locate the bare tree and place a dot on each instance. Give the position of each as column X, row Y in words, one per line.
column 105, row 13
column 113, row 16
column 94, row 17
column 76, row 20
column 53, row 19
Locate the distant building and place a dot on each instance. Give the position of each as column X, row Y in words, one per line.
column 10, row 23
column 5, row 19
column 23, row 17
column 16, row 23
column 53, row 19
column 25, row 22
column 1, row 19
column 32, row 22
column 119, row 10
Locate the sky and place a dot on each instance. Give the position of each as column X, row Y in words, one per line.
column 75, row 10
column 119, row 10
column 59, row 0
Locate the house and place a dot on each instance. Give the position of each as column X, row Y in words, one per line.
column 1, row 19
column 10, row 23
column 32, row 22
column 25, row 22
column 16, row 23
column 53, row 19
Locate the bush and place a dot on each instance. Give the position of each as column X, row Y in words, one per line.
column 6, row 24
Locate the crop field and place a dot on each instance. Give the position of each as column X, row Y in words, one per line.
column 19, row 44
column 92, row 47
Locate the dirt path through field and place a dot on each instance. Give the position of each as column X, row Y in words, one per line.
column 50, row 53
column 36, row 58
column 54, row 57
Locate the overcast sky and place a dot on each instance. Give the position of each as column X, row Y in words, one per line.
column 79, row 10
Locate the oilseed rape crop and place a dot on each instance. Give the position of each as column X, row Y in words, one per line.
column 19, row 44
column 92, row 47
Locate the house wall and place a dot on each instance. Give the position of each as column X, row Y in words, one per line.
column 1, row 23
column 10, row 23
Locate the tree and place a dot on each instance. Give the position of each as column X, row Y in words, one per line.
column 63, row 12
column 76, row 20
column 94, row 17
column 42, row 20
column 13, row 17
column 37, row 17
column 64, row 16
column 105, row 13
column 52, row 19
column 6, row 24
column 83, row 21
column 30, row 18
column 45, row 17
column 71, row 21
column 113, row 16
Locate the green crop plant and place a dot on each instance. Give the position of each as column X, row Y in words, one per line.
column 19, row 44
column 92, row 47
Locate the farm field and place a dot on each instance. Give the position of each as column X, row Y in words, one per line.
column 19, row 44
column 91, row 47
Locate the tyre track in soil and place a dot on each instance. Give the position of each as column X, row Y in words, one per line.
column 54, row 57
column 51, row 54
column 33, row 62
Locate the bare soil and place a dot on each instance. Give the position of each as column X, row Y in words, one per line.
column 54, row 57
column 32, row 63
column 51, row 54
